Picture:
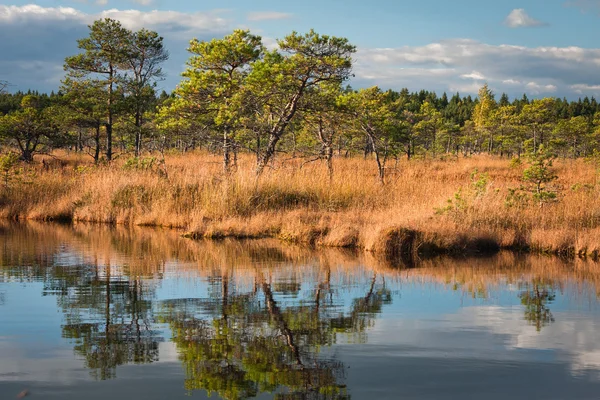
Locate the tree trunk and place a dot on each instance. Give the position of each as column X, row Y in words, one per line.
column 226, row 152
column 257, row 148
column 97, row 143
column 327, row 147
column 329, row 158
column 368, row 148
column 278, row 130
column 434, row 144
column 109, row 122
column 264, row 159
column 80, row 141
column 27, row 155
column 380, row 163
column 138, row 134
column 235, row 156
column 109, row 131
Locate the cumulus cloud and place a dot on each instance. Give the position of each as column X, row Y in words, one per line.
column 267, row 15
column 465, row 88
column 447, row 64
column 168, row 22
column 576, row 341
column 144, row 3
column 518, row 18
column 573, row 341
column 41, row 37
column 586, row 89
column 511, row 82
column 476, row 76
column 535, row 88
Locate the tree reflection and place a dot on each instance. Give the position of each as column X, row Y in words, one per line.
column 270, row 314
column 238, row 344
column 536, row 297
column 108, row 318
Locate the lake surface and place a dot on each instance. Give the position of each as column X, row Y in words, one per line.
column 96, row 312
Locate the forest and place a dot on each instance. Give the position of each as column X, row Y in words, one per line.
column 236, row 96
column 256, row 142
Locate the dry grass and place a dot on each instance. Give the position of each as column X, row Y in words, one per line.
column 300, row 204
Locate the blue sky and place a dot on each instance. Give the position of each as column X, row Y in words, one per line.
column 543, row 48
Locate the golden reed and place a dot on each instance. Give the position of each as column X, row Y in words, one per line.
column 458, row 206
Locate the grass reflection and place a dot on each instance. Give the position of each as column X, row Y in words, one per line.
column 265, row 314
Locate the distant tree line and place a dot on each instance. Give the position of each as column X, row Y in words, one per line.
column 237, row 96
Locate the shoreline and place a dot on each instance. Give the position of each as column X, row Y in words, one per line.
column 461, row 207
column 393, row 244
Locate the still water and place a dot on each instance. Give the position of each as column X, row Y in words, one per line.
column 107, row 313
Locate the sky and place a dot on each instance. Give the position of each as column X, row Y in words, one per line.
column 539, row 47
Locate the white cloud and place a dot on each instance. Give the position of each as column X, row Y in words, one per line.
column 518, row 18
column 445, row 65
column 167, row 21
column 583, row 89
column 144, row 3
column 571, row 339
column 476, row 76
column 535, row 88
column 472, row 87
column 183, row 24
column 46, row 35
column 267, row 15
column 270, row 43
column 577, row 341
column 511, row 82
column 32, row 12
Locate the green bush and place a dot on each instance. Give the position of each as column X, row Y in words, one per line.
column 539, row 174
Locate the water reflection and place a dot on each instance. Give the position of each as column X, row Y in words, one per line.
column 248, row 318
column 536, row 297
column 252, row 343
column 109, row 321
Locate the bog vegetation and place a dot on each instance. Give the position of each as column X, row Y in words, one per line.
column 257, row 142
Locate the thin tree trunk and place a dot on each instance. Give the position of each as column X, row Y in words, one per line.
column 329, row 157
column 109, row 123
column 97, row 143
column 80, row 141
column 226, row 152
column 109, row 132
column 278, row 130
column 138, row 134
column 380, row 162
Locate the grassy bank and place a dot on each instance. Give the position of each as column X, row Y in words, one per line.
column 459, row 206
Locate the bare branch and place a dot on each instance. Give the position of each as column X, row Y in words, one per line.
column 4, row 86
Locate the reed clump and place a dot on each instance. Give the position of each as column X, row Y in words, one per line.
column 464, row 205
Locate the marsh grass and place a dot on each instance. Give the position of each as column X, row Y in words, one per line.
column 465, row 205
